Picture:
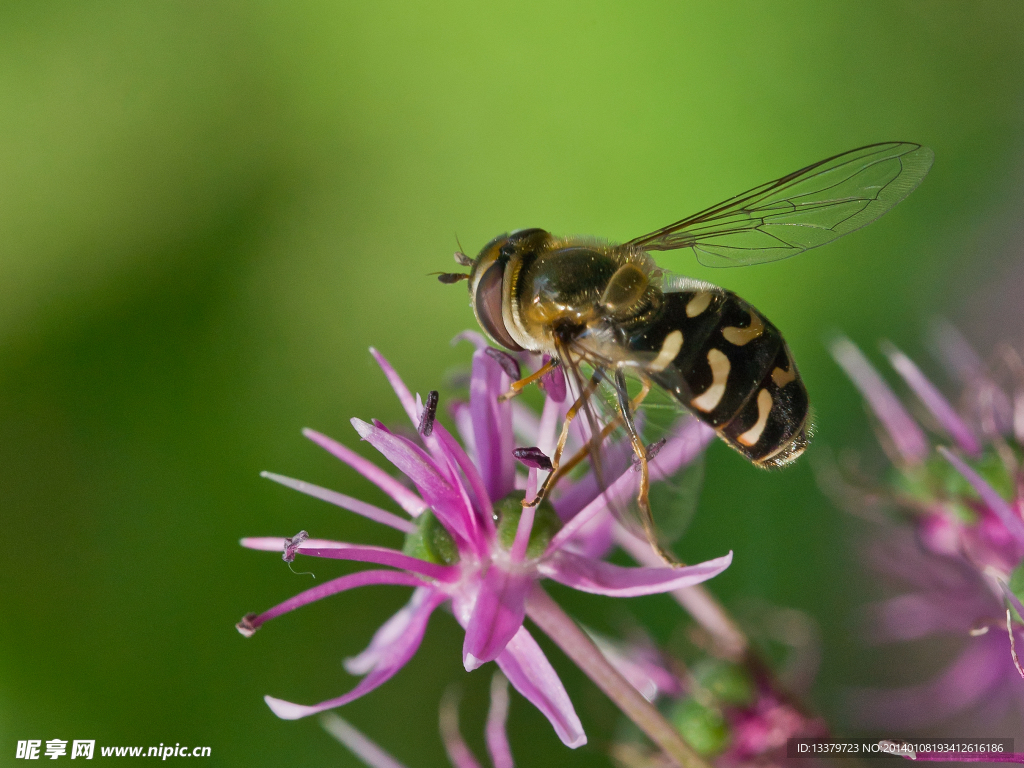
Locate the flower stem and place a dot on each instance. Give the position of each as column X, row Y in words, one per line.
column 567, row 635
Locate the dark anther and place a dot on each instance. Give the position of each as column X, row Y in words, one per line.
column 426, row 426
column 451, row 277
column 462, row 259
column 532, row 457
column 292, row 544
column 652, row 451
column 248, row 626
column 508, row 363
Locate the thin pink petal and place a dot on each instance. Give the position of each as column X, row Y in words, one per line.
column 404, row 395
column 398, row 654
column 933, row 400
column 380, row 555
column 973, row 678
column 459, row 753
column 915, row 615
column 333, row 587
column 492, row 426
column 482, row 504
column 345, row 502
column 480, row 515
column 622, row 488
column 413, row 406
column 497, row 716
column 596, row 537
column 405, row 498
column 360, row 746
column 690, row 438
column 497, row 615
column 473, row 337
column 639, row 675
column 687, row 443
column 573, row 497
column 525, row 424
column 695, row 600
column 363, row 553
column 601, row 578
column 526, row 518
column 276, row 543
column 471, row 513
column 907, row 437
column 444, row 500
column 530, row 673
column 554, row 383
column 464, row 426
column 547, row 430
column 999, row 506
column 389, row 633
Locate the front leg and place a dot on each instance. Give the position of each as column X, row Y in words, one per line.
column 573, row 411
column 521, row 384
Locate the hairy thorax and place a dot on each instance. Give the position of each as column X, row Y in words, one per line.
column 570, row 291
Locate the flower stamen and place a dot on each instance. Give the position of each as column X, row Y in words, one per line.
column 533, row 457
column 426, row 426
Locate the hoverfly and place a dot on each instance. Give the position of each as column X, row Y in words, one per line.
column 610, row 308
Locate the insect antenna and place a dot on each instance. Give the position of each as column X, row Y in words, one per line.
column 450, row 277
column 460, row 255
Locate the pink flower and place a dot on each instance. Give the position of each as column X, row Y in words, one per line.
column 471, row 544
column 734, row 714
column 964, row 504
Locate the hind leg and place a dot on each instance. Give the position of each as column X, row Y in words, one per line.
column 626, row 409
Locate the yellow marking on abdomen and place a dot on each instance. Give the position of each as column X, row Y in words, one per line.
column 764, row 407
column 782, row 378
column 698, row 304
column 712, row 396
column 741, row 336
column 669, row 349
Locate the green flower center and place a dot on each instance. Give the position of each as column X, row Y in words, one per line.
column 938, row 481
column 546, row 523
column 431, row 542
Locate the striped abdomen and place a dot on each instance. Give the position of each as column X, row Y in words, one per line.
column 733, row 371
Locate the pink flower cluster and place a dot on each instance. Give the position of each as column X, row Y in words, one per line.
column 964, row 543
column 471, row 545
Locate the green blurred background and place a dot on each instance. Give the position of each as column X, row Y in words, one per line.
column 209, row 210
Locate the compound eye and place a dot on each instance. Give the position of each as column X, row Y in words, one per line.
column 488, row 305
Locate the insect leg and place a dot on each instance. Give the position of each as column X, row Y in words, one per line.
column 519, row 386
column 626, row 409
column 584, row 452
column 576, row 407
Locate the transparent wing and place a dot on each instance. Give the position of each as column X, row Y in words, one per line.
column 802, row 210
column 673, row 498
